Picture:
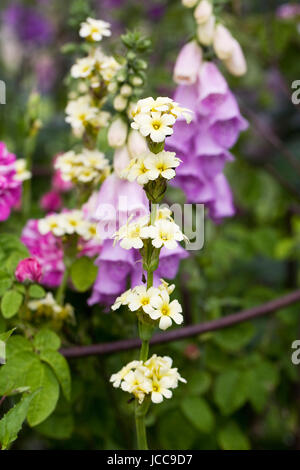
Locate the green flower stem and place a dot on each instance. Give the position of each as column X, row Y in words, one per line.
column 145, row 333
column 149, row 279
column 140, row 413
column 153, row 212
column 144, row 351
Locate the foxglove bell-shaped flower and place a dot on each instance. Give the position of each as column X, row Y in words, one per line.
column 117, row 201
column 188, row 64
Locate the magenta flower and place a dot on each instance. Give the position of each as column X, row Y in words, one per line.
column 10, row 188
column 51, row 202
column 29, row 269
column 58, row 184
column 47, row 249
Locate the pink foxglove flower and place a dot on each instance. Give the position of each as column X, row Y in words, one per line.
column 188, row 64
column 203, row 146
column 29, row 269
column 117, row 201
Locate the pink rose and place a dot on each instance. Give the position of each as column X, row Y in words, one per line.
column 29, row 269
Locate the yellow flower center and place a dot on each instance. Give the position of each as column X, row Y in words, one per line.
column 165, row 310
column 161, row 167
column 145, row 301
column 143, row 169
column 164, row 236
column 135, row 232
column 156, row 125
column 73, row 222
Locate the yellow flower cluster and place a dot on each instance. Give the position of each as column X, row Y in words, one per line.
column 49, row 309
column 155, row 118
column 155, row 378
column 164, row 232
column 88, row 166
column 151, row 166
column 68, row 223
column 154, row 302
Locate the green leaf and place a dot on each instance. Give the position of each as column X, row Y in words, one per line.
column 198, row 412
column 40, row 377
column 230, row 391
column 284, row 248
column 232, row 438
column 199, row 383
column 83, row 273
column 261, row 381
column 36, row 291
column 13, row 260
column 11, row 423
column 12, row 243
column 169, row 436
column 233, row 339
column 58, row 426
column 17, row 344
column 20, row 288
column 4, row 336
column 46, row 339
column 5, row 282
column 13, row 374
column 61, row 369
column 11, row 303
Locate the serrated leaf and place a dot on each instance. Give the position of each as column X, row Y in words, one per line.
column 232, row 438
column 231, row 391
column 198, row 412
column 83, row 273
column 11, row 423
column 11, row 303
column 46, row 339
column 36, row 291
column 61, row 369
column 40, row 377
